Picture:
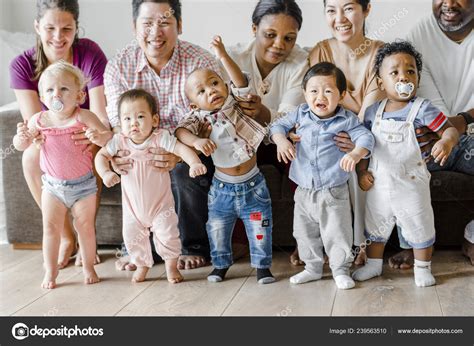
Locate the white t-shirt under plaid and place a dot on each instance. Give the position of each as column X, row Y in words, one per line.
column 130, row 69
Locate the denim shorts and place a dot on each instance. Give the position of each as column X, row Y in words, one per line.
column 70, row 191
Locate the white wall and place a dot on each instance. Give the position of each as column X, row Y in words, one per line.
column 109, row 22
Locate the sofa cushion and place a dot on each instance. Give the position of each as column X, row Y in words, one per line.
column 451, row 186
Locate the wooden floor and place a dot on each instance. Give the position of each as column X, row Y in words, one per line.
column 394, row 294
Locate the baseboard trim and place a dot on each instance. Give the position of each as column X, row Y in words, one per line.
column 27, row 246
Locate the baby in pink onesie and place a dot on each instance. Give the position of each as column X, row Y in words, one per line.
column 147, row 200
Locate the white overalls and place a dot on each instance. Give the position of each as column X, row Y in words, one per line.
column 401, row 191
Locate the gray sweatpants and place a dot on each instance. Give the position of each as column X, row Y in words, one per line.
column 323, row 218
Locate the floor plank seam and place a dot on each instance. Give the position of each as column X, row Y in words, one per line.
column 333, row 303
column 139, row 294
column 439, row 302
column 19, row 263
column 236, row 293
column 43, row 295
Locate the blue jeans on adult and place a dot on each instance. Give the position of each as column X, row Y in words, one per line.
column 250, row 201
column 460, row 160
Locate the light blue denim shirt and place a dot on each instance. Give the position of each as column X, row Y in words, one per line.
column 317, row 156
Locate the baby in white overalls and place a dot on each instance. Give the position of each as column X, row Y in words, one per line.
column 397, row 180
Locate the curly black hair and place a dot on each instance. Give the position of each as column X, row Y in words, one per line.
column 396, row 47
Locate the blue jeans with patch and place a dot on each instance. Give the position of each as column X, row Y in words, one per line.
column 250, row 201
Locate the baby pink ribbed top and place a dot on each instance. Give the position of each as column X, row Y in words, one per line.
column 60, row 157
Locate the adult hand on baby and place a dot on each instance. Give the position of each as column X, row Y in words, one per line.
column 251, row 107
column 293, row 136
column 162, row 160
column 23, row 134
column 349, row 162
column 286, row 151
column 344, row 142
column 97, row 137
column 218, row 47
column 120, row 163
column 204, row 145
column 440, row 152
column 429, row 137
column 196, row 169
column 110, row 179
column 205, row 129
column 79, row 137
column 366, row 180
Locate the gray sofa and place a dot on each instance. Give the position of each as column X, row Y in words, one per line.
column 452, row 199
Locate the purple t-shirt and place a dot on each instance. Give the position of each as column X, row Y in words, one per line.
column 87, row 55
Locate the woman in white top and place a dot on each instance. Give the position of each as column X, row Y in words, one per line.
column 275, row 63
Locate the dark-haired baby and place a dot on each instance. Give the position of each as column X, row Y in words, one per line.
column 322, row 215
column 397, row 179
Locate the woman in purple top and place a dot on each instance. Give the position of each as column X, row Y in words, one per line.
column 56, row 26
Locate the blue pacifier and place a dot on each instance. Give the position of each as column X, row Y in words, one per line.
column 404, row 90
column 57, row 105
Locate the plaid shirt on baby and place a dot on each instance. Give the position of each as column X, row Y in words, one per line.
column 246, row 134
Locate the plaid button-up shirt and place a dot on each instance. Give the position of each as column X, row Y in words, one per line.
column 131, row 70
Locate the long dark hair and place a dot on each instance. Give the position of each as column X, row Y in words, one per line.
column 271, row 7
column 70, row 6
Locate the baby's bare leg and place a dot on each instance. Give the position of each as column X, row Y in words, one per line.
column 172, row 272
column 83, row 212
column 140, row 274
column 54, row 214
column 33, row 173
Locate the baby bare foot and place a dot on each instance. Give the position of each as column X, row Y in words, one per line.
column 67, row 248
column 402, row 260
column 191, row 262
column 90, row 276
column 172, row 272
column 140, row 274
column 49, row 280
column 123, row 263
column 295, row 259
column 468, row 250
column 78, row 262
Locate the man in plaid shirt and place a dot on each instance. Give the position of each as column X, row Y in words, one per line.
column 158, row 62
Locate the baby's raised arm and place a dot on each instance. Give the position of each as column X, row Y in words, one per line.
column 233, row 70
